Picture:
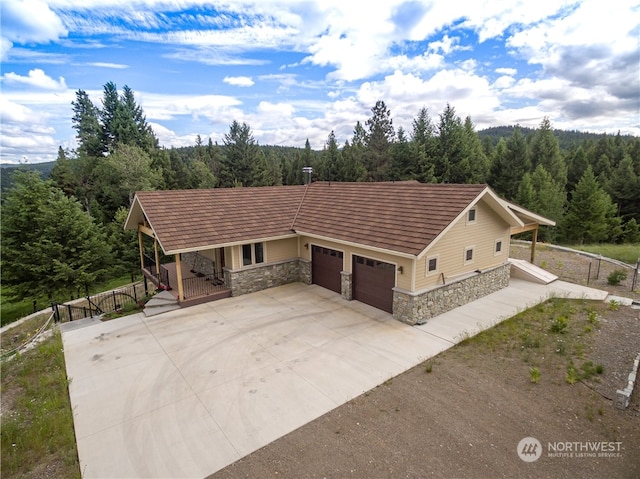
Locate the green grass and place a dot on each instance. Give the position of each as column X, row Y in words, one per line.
column 12, row 310
column 552, row 339
column 628, row 253
column 38, row 438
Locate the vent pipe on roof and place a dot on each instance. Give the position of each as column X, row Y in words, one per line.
column 308, row 171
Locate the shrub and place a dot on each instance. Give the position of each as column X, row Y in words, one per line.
column 534, row 375
column 616, row 277
column 559, row 325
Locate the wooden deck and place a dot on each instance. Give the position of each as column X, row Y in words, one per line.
column 197, row 289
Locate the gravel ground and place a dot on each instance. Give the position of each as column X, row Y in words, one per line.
column 465, row 418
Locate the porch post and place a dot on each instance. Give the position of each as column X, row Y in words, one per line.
column 534, row 239
column 157, row 256
column 179, row 275
column 140, row 247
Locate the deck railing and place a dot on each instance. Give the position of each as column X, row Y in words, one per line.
column 203, row 284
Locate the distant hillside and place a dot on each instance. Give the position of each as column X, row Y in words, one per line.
column 7, row 170
column 567, row 138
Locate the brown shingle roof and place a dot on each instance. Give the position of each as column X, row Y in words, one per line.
column 189, row 219
column 403, row 217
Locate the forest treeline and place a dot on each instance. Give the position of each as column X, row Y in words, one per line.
column 589, row 184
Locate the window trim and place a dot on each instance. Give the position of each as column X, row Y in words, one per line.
column 429, row 259
column 468, row 249
column 475, row 216
column 252, row 246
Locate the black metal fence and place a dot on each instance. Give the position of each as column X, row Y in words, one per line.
column 101, row 303
column 203, row 284
column 151, row 266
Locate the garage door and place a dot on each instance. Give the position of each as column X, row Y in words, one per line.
column 373, row 282
column 326, row 265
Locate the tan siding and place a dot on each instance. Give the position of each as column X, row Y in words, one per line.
column 281, row 250
column 403, row 280
column 450, row 249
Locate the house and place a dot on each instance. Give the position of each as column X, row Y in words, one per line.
column 414, row 250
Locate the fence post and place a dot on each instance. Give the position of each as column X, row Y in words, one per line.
column 589, row 274
column 115, row 305
column 35, row 305
column 70, row 312
column 599, row 262
column 635, row 276
column 56, row 314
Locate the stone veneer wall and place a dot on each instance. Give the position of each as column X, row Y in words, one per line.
column 346, row 285
column 257, row 278
column 416, row 308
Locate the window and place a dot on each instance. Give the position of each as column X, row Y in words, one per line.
column 252, row 254
column 246, row 255
column 498, row 248
column 259, row 252
column 432, row 264
column 471, row 216
column 468, row 255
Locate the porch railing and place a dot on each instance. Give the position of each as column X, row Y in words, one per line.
column 203, row 284
column 151, row 267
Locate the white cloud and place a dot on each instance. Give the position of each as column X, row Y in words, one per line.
column 242, row 81
column 506, row 71
column 36, row 78
column 25, row 21
column 114, row 66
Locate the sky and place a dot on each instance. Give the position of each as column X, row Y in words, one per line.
column 297, row 70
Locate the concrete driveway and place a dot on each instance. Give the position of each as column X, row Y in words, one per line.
column 185, row 393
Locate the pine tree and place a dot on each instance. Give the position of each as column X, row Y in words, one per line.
column 545, row 150
column 451, row 164
column 403, row 165
column 510, row 164
column 477, row 163
column 591, row 215
column 423, row 146
column 86, row 122
column 380, row 137
column 49, row 244
column 241, row 152
column 540, row 193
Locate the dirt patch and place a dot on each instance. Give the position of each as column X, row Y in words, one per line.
column 466, row 417
column 578, row 268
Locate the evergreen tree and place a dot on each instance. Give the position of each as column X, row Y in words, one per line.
column 451, row 163
column 49, row 244
column 86, row 122
column 576, row 165
column 380, row 137
column 241, row 153
column 510, row 164
column 126, row 170
column 475, row 163
column 423, row 146
column 331, row 160
column 352, row 168
column 62, row 174
column 624, row 188
column 540, row 193
column 631, row 232
column 591, row 215
column 403, row 165
column 545, row 150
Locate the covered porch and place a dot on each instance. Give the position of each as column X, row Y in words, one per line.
column 196, row 287
column 193, row 277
